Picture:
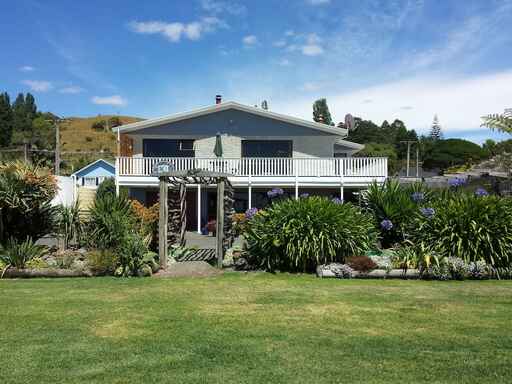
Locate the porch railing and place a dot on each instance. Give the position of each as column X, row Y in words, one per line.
column 252, row 166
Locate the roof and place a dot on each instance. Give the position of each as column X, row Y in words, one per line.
column 92, row 164
column 349, row 144
column 226, row 106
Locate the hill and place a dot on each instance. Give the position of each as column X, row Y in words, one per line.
column 79, row 135
column 84, row 140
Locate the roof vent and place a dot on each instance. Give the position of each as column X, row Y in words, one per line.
column 218, row 99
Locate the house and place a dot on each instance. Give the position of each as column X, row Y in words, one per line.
column 259, row 148
column 86, row 180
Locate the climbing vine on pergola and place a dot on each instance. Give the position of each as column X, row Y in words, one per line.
column 172, row 227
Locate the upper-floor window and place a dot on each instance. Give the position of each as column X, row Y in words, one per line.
column 167, row 148
column 267, row 148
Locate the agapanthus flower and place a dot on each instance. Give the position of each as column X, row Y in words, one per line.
column 481, row 192
column 428, row 212
column 418, row 197
column 304, row 195
column 249, row 214
column 337, row 200
column 275, row 192
column 456, row 182
column 386, row 224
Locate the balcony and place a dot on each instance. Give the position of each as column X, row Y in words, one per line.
column 264, row 171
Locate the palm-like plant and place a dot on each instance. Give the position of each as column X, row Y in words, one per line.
column 16, row 254
column 25, row 194
column 499, row 122
column 69, row 223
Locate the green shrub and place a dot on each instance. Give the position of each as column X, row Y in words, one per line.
column 469, row 227
column 99, row 125
column 394, row 207
column 107, row 187
column 111, row 219
column 37, row 263
column 25, row 194
column 16, row 253
column 102, row 261
column 131, row 254
column 298, row 235
column 69, row 223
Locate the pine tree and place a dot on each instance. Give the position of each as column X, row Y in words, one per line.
column 5, row 120
column 321, row 112
column 24, row 110
column 30, row 107
column 435, row 130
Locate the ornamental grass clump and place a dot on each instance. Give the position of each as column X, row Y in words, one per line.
column 394, row 207
column 469, row 227
column 297, row 235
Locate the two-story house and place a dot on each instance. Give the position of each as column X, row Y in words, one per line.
column 261, row 149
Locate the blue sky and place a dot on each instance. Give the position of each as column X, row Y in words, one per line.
column 378, row 59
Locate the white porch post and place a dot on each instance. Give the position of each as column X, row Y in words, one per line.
column 296, row 187
column 342, row 182
column 199, row 208
column 249, row 191
column 117, row 176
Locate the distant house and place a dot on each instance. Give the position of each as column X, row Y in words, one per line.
column 93, row 174
column 260, row 149
column 87, row 180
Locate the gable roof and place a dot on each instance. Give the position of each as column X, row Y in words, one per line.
column 94, row 163
column 349, row 144
column 224, row 107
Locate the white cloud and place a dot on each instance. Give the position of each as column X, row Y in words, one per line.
column 318, row 2
column 459, row 102
column 284, row 62
column 38, row 85
column 311, row 86
column 217, row 7
column 71, row 90
column 114, row 100
column 250, row 40
column 312, row 50
column 27, row 68
column 176, row 31
column 279, row 43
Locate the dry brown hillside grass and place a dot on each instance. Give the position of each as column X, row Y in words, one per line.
column 77, row 135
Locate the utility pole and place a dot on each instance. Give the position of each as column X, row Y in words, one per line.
column 418, row 160
column 26, row 154
column 409, row 142
column 57, row 148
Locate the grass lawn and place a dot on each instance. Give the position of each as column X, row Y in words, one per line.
column 255, row 328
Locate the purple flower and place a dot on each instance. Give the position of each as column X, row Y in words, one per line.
column 249, row 214
column 386, row 224
column 418, row 197
column 275, row 192
column 304, row 195
column 481, row 192
column 456, row 182
column 337, row 200
column 428, row 212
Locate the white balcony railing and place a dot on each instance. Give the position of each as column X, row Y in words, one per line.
column 255, row 167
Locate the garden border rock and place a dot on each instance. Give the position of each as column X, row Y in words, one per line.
column 45, row 272
column 376, row 274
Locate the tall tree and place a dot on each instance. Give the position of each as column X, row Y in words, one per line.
column 321, row 112
column 435, row 130
column 5, row 120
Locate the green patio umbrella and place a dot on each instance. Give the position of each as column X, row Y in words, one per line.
column 218, row 145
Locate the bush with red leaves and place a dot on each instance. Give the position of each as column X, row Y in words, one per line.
column 362, row 264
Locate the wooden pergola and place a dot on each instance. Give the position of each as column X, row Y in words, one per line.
column 178, row 180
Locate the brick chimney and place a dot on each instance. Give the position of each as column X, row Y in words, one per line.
column 218, row 99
